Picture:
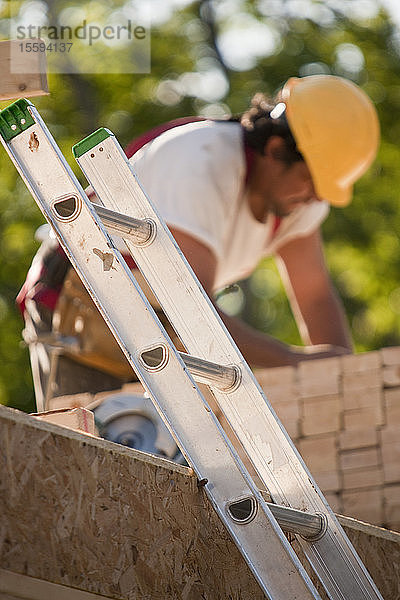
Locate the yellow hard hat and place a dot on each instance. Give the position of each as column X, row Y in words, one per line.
column 336, row 129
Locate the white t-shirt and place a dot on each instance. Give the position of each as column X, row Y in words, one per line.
column 194, row 174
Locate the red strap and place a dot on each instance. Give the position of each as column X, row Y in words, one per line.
column 276, row 225
column 148, row 136
column 35, row 287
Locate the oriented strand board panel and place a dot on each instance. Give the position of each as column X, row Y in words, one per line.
column 86, row 513
column 22, row 72
column 81, row 512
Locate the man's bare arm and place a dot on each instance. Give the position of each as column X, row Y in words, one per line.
column 315, row 303
column 259, row 349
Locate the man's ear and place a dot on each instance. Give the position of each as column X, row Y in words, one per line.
column 275, row 148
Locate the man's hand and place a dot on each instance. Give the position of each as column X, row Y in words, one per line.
column 318, row 351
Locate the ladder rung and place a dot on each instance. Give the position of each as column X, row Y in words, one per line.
column 310, row 527
column 203, row 371
column 141, row 231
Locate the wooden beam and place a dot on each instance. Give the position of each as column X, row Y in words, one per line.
column 22, row 72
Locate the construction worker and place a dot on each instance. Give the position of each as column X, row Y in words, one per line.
column 231, row 192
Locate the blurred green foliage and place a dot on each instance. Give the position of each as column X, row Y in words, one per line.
column 207, row 56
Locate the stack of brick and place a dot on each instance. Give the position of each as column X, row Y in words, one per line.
column 343, row 414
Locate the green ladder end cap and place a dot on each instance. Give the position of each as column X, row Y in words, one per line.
column 91, row 141
column 15, row 118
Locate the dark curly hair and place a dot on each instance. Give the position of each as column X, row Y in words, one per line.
column 258, row 126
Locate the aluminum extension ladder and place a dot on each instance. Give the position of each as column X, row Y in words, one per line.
column 256, row 526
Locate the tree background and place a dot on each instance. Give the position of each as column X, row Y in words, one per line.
column 208, row 58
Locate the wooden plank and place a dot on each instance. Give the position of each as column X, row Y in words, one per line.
column 363, row 503
column 391, row 376
column 358, row 438
column 321, row 414
column 365, row 361
column 79, row 419
column 390, row 356
column 22, row 73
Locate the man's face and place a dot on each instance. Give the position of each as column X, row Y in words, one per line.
column 289, row 187
column 279, row 188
